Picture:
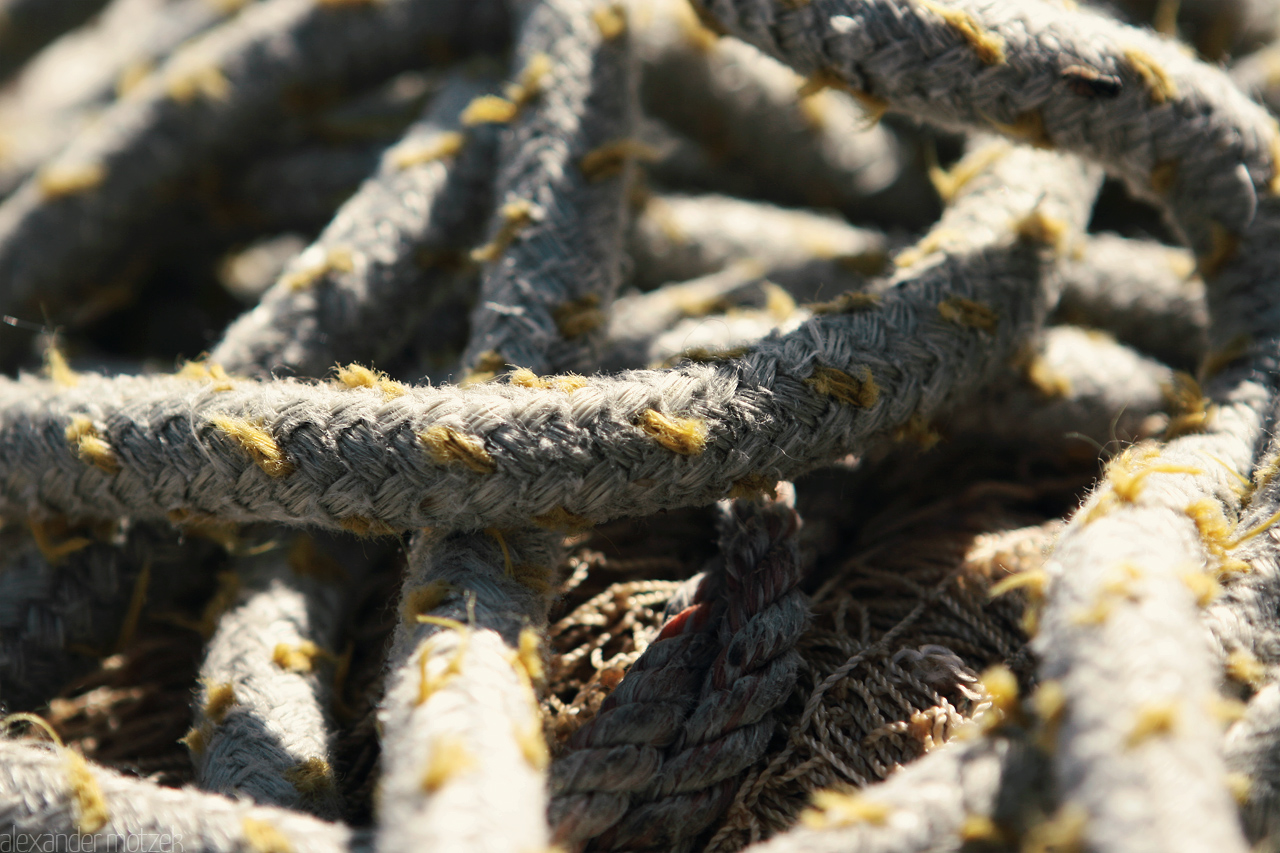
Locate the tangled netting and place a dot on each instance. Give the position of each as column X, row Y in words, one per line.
column 651, row 425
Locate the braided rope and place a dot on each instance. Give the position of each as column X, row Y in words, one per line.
column 331, row 304
column 475, row 458
column 566, row 165
column 50, row 797
column 464, row 758
column 215, row 94
column 262, row 724
column 58, row 92
column 746, row 110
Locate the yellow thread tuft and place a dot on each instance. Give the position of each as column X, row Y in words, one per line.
column 1062, row 833
column 449, row 757
column 311, row 777
column 1164, row 175
column 336, row 259
column 488, row 364
column 533, row 745
column 1001, row 685
column 1034, row 581
column 206, row 371
column 1224, row 245
column 53, row 539
column 264, row 838
column 825, row 78
column 184, row 85
column 90, row 805
column 578, row 317
column 1051, row 383
column 1188, row 405
column 686, row 436
column 1243, row 667
column 918, row 431
column 1241, row 787
column 693, row 25
column 1214, row 529
column 537, row 578
column 300, row 658
column 832, row 809
column 1039, row 228
column 508, row 568
column 444, row 146
column 560, row 518
column 196, row 739
column 987, row 45
column 424, row 599
column 1049, row 701
column 1203, row 586
column 489, row 109
column 1160, row 85
column 61, row 180
column 858, row 390
column 428, row 684
column 969, row 313
column 703, row 354
column 1227, row 711
column 949, row 183
column 530, row 655
column 83, row 436
column 516, row 216
column 358, row 376
column 754, row 486
column 57, row 369
column 1028, row 128
column 610, row 20
column 533, row 80
column 978, row 827
column 366, row 527
column 610, row 159
column 256, row 442
column 446, row 445
column 1153, row 720
column 219, row 699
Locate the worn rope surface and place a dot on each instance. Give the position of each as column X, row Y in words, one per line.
column 936, row 429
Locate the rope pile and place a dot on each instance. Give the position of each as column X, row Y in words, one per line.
column 681, row 425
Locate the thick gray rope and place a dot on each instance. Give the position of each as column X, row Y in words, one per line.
column 1143, row 756
column 217, row 94
column 1143, row 292
column 301, row 189
column 60, row 91
column 28, row 25
column 970, row 787
column 262, row 721
column 746, row 110
column 1076, row 390
column 53, row 797
column 80, row 599
column 463, row 754
column 753, row 671
column 736, row 306
column 1174, row 750
column 396, row 251
column 598, row 448
column 1259, row 75
column 681, row 237
column 553, row 262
